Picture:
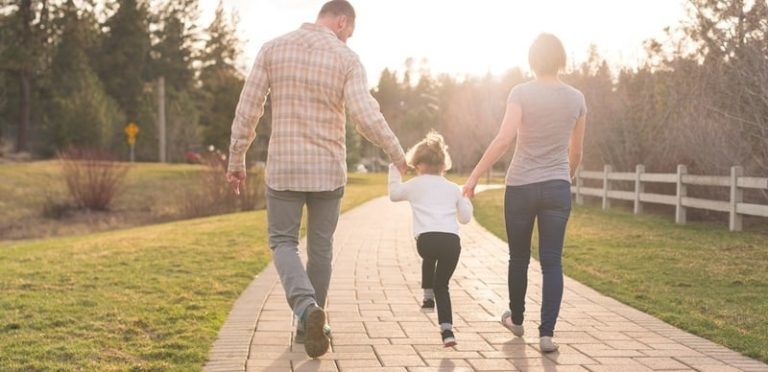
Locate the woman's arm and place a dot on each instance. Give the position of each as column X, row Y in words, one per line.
column 500, row 144
column 576, row 147
column 397, row 189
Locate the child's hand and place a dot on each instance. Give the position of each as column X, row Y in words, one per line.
column 402, row 167
column 469, row 187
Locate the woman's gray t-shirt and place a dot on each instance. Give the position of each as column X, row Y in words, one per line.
column 550, row 111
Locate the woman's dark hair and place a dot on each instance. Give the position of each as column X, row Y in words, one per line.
column 547, row 55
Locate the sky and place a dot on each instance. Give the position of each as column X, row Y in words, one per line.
column 465, row 37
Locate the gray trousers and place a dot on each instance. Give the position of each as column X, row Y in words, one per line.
column 303, row 287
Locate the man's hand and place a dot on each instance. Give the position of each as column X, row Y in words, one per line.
column 236, row 180
column 402, row 166
column 469, row 187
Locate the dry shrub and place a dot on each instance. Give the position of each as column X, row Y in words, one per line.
column 93, row 177
column 54, row 209
column 214, row 196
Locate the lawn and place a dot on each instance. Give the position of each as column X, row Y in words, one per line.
column 147, row 298
column 698, row 277
column 152, row 193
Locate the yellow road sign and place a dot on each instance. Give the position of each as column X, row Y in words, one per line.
column 131, row 130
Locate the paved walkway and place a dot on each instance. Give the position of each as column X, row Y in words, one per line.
column 373, row 307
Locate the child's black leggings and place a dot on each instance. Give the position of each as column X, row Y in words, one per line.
column 440, row 252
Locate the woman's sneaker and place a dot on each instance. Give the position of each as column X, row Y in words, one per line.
column 506, row 320
column 429, row 303
column 449, row 339
column 547, row 345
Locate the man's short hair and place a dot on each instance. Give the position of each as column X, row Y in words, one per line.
column 547, row 55
column 338, row 8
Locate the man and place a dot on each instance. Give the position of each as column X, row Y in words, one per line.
column 312, row 76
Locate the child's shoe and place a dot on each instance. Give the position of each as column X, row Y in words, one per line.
column 429, row 303
column 449, row 339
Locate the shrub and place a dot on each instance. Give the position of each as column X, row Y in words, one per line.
column 214, row 195
column 54, row 209
column 93, row 177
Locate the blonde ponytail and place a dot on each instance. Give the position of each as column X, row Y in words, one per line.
column 432, row 152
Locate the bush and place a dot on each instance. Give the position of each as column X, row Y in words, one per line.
column 93, row 177
column 214, row 196
column 54, row 209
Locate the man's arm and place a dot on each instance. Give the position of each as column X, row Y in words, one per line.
column 249, row 110
column 367, row 116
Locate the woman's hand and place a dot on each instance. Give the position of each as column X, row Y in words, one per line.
column 503, row 140
column 469, row 187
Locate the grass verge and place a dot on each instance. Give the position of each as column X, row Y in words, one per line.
column 698, row 277
column 149, row 298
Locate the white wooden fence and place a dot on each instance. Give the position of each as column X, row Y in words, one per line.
column 737, row 182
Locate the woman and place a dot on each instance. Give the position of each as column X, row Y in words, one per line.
column 548, row 118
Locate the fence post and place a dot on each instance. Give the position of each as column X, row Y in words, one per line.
column 737, row 196
column 606, row 186
column 680, row 213
column 579, row 183
column 639, row 189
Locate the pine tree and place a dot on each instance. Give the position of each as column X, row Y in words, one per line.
column 24, row 37
column 4, row 41
column 124, row 55
column 221, row 82
column 81, row 114
column 172, row 57
column 172, row 54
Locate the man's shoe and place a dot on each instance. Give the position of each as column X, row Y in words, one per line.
column 301, row 336
column 316, row 342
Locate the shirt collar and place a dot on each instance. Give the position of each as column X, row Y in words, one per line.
column 317, row 28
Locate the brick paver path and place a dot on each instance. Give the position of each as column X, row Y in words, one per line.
column 373, row 307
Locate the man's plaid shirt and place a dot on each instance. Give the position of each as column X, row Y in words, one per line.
column 312, row 77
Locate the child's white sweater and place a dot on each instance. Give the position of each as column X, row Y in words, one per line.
column 436, row 202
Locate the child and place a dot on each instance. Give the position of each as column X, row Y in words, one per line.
column 436, row 204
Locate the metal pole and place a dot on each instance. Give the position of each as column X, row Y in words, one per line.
column 133, row 157
column 161, row 117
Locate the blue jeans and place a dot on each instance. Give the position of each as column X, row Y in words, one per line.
column 549, row 204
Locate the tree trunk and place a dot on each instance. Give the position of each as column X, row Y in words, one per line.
column 24, row 111
column 25, row 77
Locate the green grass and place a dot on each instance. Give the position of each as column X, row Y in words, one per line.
column 698, row 277
column 148, row 298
